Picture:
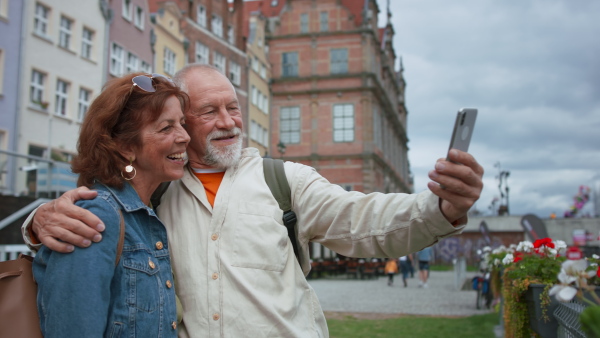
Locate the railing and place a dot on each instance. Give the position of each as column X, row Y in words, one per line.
column 9, row 252
column 567, row 315
column 34, row 176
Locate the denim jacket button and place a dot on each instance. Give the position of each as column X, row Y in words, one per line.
column 174, row 325
column 151, row 264
column 159, row 245
column 216, row 316
column 169, row 285
column 215, row 276
column 214, row 237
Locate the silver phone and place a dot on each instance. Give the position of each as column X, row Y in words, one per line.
column 463, row 129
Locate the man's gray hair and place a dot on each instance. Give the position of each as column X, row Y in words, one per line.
column 184, row 72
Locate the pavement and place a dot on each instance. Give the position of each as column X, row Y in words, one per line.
column 375, row 297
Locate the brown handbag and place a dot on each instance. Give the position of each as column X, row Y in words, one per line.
column 18, row 295
column 18, row 306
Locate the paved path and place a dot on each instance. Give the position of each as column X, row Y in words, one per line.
column 375, row 296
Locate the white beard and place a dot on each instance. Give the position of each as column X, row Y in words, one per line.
column 223, row 157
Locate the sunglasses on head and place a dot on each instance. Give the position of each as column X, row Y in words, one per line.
column 144, row 82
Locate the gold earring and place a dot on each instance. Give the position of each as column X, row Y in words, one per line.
column 129, row 169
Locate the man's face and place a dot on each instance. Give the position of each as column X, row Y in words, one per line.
column 214, row 120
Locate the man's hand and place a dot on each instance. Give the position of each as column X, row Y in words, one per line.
column 62, row 220
column 458, row 184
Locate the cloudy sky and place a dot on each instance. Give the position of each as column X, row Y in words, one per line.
column 532, row 68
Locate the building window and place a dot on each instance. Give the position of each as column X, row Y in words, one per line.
column 36, row 91
column 289, row 63
column 132, row 63
column 289, row 125
column 146, row 67
column 231, row 35
column 263, row 71
column 62, row 89
column 138, row 19
column 304, row 23
column 219, row 62
column 339, row 61
column 84, row 103
column 254, row 95
column 169, row 61
column 64, row 39
column 40, row 20
column 202, row 53
column 217, row 25
column 255, row 64
column 86, row 43
column 116, row 59
column 343, row 123
column 127, row 9
column 324, row 21
column 201, row 15
column 235, row 73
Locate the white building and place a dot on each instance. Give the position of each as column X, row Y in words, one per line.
column 63, row 60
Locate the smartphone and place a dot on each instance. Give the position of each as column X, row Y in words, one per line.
column 463, row 129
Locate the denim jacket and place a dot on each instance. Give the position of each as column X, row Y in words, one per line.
column 83, row 293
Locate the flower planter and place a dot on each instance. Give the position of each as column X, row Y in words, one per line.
column 544, row 328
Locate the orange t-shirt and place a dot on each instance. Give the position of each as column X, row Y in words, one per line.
column 211, row 181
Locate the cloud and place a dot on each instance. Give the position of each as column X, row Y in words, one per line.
column 532, row 70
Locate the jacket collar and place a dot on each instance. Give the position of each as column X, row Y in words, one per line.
column 127, row 197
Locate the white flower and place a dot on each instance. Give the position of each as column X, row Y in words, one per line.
column 487, row 249
column 508, row 259
column 499, row 249
column 576, row 269
column 525, row 246
column 563, row 293
column 497, row 261
column 551, row 252
column 560, row 245
column 478, row 252
column 594, row 256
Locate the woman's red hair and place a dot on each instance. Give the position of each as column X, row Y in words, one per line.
column 114, row 120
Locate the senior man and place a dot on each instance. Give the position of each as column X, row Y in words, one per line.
column 233, row 262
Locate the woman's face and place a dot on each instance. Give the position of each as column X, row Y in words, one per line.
column 164, row 141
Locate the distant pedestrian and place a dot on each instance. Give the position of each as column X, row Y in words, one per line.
column 391, row 268
column 424, row 257
column 405, row 268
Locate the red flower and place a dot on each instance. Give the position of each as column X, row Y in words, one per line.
column 598, row 272
column 518, row 257
column 544, row 241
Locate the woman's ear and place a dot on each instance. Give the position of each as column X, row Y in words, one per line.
column 128, row 153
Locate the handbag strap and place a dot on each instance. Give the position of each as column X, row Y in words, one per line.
column 121, row 239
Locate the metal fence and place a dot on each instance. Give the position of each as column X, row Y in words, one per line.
column 567, row 315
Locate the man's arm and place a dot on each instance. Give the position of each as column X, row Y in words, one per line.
column 60, row 224
column 458, row 184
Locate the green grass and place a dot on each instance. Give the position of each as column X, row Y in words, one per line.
column 479, row 326
column 446, row 267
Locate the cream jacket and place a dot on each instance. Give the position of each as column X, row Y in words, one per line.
column 234, row 265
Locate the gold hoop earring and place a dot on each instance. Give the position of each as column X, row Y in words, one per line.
column 129, row 169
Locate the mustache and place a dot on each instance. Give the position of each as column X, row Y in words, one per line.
column 224, row 133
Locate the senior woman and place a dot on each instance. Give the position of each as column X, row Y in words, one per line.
column 131, row 140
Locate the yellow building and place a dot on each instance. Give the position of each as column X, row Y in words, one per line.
column 169, row 48
column 259, row 76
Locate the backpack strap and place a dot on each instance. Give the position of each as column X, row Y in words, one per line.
column 280, row 188
column 157, row 194
column 121, row 239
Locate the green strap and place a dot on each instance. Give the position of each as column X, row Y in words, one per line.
column 276, row 180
